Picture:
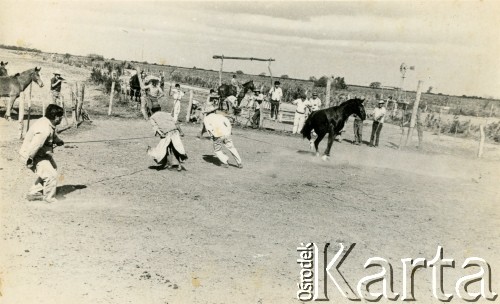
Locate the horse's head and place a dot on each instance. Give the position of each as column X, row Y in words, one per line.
column 3, row 70
column 249, row 85
column 358, row 107
column 35, row 76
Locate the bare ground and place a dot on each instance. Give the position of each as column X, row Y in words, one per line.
column 123, row 232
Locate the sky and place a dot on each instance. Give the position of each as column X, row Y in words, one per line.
column 454, row 45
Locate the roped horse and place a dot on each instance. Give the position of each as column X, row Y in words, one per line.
column 331, row 121
column 12, row 86
column 226, row 90
column 3, row 70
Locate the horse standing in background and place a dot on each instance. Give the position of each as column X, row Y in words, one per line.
column 331, row 121
column 226, row 90
column 12, row 86
column 3, row 70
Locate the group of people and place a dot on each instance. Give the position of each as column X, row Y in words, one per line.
column 36, row 152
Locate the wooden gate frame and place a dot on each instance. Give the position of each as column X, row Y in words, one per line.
column 222, row 57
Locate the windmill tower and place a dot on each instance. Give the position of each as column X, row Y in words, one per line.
column 403, row 68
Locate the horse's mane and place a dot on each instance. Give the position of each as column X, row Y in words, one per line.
column 250, row 81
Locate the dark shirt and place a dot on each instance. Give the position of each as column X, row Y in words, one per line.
column 57, row 87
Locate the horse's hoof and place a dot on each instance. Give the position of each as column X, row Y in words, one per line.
column 317, row 154
column 325, row 157
column 311, row 146
column 8, row 118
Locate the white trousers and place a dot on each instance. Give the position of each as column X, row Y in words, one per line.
column 176, row 110
column 228, row 143
column 298, row 122
column 47, row 178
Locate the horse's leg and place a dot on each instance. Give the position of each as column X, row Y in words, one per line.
column 10, row 105
column 318, row 140
column 331, row 138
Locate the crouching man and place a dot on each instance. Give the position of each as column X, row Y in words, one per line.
column 219, row 128
column 37, row 154
column 170, row 151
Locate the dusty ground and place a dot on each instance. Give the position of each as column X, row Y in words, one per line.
column 123, row 232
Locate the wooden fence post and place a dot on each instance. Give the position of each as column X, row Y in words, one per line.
column 29, row 109
column 21, row 116
column 481, row 142
column 220, row 71
column 80, row 102
column 74, row 102
column 327, row 93
column 111, row 98
column 414, row 112
column 190, row 104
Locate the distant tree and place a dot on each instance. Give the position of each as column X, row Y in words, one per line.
column 262, row 74
column 429, row 90
column 313, row 79
column 67, row 55
column 339, row 83
column 321, row 82
column 284, row 76
column 375, row 85
column 239, row 72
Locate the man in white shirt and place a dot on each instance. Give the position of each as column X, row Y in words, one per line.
column 219, row 128
column 300, row 113
column 378, row 122
column 315, row 102
column 177, row 94
column 37, row 151
column 276, row 94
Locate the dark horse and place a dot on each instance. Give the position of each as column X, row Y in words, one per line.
column 331, row 121
column 3, row 70
column 12, row 86
column 226, row 90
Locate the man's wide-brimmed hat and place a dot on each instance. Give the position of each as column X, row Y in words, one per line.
column 57, row 73
column 209, row 109
column 381, row 102
column 315, row 94
column 256, row 90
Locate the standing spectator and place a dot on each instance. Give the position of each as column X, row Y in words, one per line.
column 177, row 95
column 235, row 83
column 152, row 93
column 37, row 154
column 358, row 130
column 300, row 113
column 55, row 87
column 170, row 150
column 219, row 128
column 378, row 122
column 315, row 102
column 276, row 94
column 255, row 103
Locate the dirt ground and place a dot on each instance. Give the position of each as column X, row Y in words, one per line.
column 124, row 232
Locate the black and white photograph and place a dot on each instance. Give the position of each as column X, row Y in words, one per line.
column 259, row 152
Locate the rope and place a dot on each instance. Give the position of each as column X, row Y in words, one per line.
column 106, row 140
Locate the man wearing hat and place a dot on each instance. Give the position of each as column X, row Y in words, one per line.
column 255, row 102
column 276, row 94
column 378, row 122
column 170, row 150
column 55, row 87
column 219, row 128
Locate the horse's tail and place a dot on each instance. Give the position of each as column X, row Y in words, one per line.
column 307, row 128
